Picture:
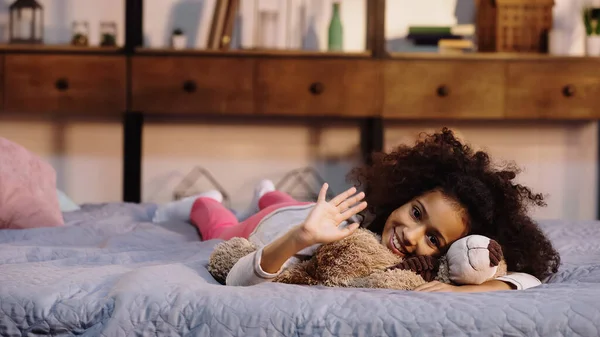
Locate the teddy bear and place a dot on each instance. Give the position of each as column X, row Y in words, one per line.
column 360, row 261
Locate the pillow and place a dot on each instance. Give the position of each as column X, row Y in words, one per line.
column 65, row 203
column 27, row 189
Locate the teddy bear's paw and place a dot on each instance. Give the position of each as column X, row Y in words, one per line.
column 426, row 266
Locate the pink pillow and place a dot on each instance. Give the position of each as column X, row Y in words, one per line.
column 28, row 196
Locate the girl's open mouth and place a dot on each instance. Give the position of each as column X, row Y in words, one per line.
column 396, row 245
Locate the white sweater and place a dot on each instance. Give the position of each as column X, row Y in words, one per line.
column 247, row 270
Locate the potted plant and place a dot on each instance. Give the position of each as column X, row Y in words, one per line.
column 80, row 34
column 178, row 39
column 108, row 34
column 591, row 19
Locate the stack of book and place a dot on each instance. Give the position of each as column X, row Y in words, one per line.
column 448, row 39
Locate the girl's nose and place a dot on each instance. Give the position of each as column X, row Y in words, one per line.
column 413, row 235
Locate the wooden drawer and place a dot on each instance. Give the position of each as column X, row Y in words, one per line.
column 561, row 89
column 65, row 84
column 302, row 87
column 191, row 85
column 457, row 89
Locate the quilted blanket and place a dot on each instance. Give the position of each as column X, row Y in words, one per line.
column 111, row 272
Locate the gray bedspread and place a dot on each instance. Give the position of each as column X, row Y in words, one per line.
column 111, row 272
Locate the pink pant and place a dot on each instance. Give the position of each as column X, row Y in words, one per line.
column 216, row 222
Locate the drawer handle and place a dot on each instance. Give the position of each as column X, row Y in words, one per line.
column 316, row 88
column 443, row 91
column 568, row 91
column 189, row 86
column 62, row 84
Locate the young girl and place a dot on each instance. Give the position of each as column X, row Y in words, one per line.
column 421, row 199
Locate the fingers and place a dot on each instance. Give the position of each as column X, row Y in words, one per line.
column 342, row 201
column 351, row 228
column 436, row 286
column 343, row 196
column 353, row 211
column 351, row 201
column 433, row 286
column 428, row 286
column 323, row 193
column 348, row 230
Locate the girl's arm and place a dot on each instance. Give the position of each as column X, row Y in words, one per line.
column 516, row 281
column 321, row 226
column 275, row 254
column 520, row 281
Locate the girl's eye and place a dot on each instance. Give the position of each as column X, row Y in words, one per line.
column 416, row 213
column 434, row 240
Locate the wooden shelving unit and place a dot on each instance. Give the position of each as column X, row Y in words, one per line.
column 369, row 87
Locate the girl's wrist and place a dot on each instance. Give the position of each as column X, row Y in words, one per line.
column 302, row 238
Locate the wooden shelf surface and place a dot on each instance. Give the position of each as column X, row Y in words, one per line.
column 64, row 48
column 58, row 48
column 488, row 56
column 251, row 53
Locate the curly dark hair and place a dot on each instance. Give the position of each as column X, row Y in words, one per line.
column 495, row 205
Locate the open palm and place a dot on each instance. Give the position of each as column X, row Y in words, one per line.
column 321, row 225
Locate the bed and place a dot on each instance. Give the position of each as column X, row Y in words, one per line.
column 111, row 272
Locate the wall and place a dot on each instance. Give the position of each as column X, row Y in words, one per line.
column 239, row 155
column 85, row 153
column 558, row 158
column 60, row 14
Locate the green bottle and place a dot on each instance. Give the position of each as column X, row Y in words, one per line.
column 336, row 31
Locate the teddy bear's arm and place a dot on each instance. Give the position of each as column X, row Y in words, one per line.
column 398, row 279
column 297, row 274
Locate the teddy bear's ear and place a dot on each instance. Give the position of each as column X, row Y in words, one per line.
column 225, row 255
column 495, row 251
column 473, row 259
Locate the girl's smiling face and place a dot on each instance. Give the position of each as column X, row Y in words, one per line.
column 424, row 226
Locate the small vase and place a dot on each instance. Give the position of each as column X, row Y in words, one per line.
column 557, row 42
column 336, row 31
column 593, row 45
column 178, row 41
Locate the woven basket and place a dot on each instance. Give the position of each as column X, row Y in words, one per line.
column 513, row 25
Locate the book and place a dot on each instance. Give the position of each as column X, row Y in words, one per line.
column 458, row 30
column 218, row 21
column 228, row 25
column 455, row 46
column 431, row 39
